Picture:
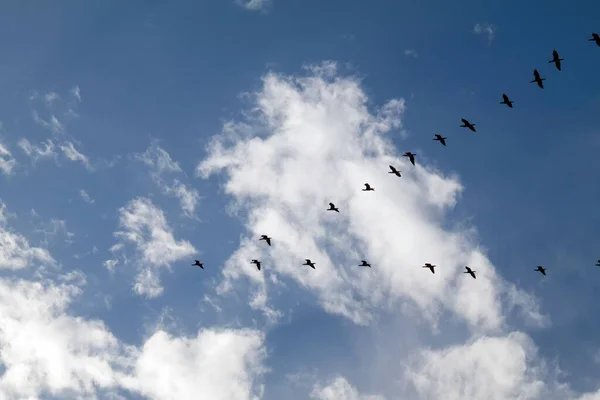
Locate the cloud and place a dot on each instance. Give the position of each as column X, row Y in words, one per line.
column 313, row 140
column 70, row 152
column 7, row 162
column 145, row 225
column 50, row 98
column 485, row 29
column 75, row 91
column 54, row 125
column 340, row 389
column 36, row 152
column 411, row 53
column 254, row 5
column 187, row 196
column 158, row 159
column 86, row 197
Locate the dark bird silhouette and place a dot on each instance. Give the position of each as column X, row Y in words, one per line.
column 363, row 263
column 541, row 269
column 257, row 263
column 394, row 171
column 368, row 188
column 266, row 239
column 598, row 263
column 411, row 157
column 595, row 38
column 430, row 266
column 309, row 263
column 198, row 263
column 440, row 139
column 506, row 100
column 537, row 79
column 556, row 59
column 467, row 124
column 470, row 271
column 332, row 207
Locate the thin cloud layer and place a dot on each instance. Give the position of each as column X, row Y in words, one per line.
column 340, row 389
column 312, row 140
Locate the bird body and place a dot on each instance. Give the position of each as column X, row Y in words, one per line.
column 364, row 264
column 556, row 59
column 394, row 171
column 266, row 239
column 598, row 263
column 467, row 124
column 411, row 157
column 595, row 38
column 470, row 271
column 332, row 207
column 440, row 139
column 537, row 79
column 257, row 263
column 309, row 263
column 506, row 100
column 368, row 188
column 430, row 266
column 541, row 269
column 198, row 263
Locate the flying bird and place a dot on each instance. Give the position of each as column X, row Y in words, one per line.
column 440, row 139
column 411, row 157
column 266, row 239
column 541, row 269
column 430, row 266
column 363, row 263
column 470, row 271
column 598, row 263
column 309, row 263
column 595, row 38
column 368, row 188
column 556, row 59
column 198, row 263
column 394, row 171
column 257, row 263
column 506, row 100
column 537, row 79
column 332, row 207
column 467, row 124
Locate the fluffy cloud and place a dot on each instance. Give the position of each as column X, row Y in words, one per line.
column 145, row 225
column 340, row 389
column 313, row 140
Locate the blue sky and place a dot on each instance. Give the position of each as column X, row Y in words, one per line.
column 138, row 137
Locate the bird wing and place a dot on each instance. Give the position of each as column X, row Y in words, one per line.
column 268, row 240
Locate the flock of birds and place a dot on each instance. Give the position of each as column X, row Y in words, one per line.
column 411, row 156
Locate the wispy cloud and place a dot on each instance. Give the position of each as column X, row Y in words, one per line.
column 70, row 152
column 254, row 5
column 35, row 152
column 86, row 197
column 7, row 161
column 486, row 29
column 411, row 53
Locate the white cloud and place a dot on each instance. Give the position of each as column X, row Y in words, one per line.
column 312, row 141
column 411, row 53
column 36, row 152
column 145, row 225
column 188, row 197
column 158, row 159
column 54, row 125
column 340, row 389
column 254, row 5
column 50, row 98
column 485, row 29
column 75, row 91
column 7, row 162
column 69, row 150
column 86, row 197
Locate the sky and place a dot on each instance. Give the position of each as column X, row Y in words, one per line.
column 138, row 136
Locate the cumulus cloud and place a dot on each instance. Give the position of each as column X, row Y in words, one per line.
column 340, row 389
column 486, row 29
column 7, row 162
column 145, row 226
column 313, row 140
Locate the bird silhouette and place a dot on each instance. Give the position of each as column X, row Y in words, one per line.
column 467, row 124
column 198, row 263
column 332, row 207
column 363, row 263
column 411, row 157
column 440, row 139
column 266, row 239
column 309, row 263
column 430, row 266
column 394, row 171
column 537, row 79
column 470, row 271
column 506, row 100
column 595, row 38
column 556, row 59
column 541, row 269
column 598, row 263
column 257, row 263
column 368, row 188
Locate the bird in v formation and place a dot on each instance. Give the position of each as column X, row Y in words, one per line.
column 556, row 59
